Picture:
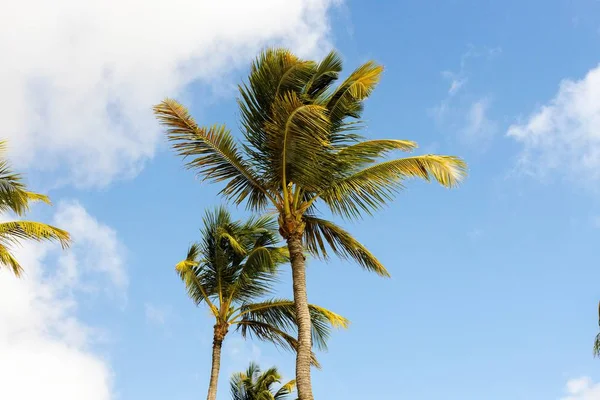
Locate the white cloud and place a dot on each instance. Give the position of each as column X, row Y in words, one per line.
column 155, row 314
column 582, row 389
column 44, row 346
column 78, row 78
column 563, row 137
column 478, row 128
column 457, row 81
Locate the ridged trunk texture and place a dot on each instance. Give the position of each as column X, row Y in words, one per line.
column 219, row 336
column 304, row 351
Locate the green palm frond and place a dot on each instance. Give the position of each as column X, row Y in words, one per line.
column 347, row 100
column 354, row 157
column 254, row 384
column 193, row 275
column 213, row 152
column 282, row 314
column 372, row 187
column 285, row 390
column 297, row 141
column 268, row 333
column 325, row 74
column 319, row 232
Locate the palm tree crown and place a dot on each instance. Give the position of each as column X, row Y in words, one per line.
column 303, row 149
column 257, row 385
column 15, row 198
column 231, row 270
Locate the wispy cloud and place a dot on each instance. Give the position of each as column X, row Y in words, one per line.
column 562, row 138
column 79, row 78
column 458, row 112
column 156, row 314
column 478, row 128
column 582, row 389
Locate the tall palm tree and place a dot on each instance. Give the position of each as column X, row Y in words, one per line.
column 231, row 269
column 302, row 148
column 15, row 198
column 256, row 385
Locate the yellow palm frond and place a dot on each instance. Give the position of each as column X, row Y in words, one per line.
column 372, row 187
column 17, row 230
column 319, row 231
column 8, row 260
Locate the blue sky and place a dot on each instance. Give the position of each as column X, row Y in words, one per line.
column 494, row 285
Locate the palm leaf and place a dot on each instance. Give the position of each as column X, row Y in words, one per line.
column 325, row 74
column 7, row 259
column 319, row 231
column 282, row 314
column 372, row 187
column 347, row 100
column 264, row 331
column 15, row 231
column 192, row 274
column 213, row 151
column 296, row 142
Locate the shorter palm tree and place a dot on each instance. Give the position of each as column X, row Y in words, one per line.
column 15, row 198
column 254, row 385
column 233, row 267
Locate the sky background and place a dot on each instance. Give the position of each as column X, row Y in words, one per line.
column 494, row 285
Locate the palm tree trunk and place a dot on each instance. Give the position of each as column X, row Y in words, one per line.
column 304, row 350
column 216, row 361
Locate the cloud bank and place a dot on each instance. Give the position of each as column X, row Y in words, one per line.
column 45, row 347
column 79, row 77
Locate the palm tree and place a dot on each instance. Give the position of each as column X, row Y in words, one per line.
column 254, row 385
column 303, row 148
column 230, row 270
column 15, row 198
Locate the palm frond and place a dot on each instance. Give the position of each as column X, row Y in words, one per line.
column 319, row 231
column 8, row 260
column 193, row 274
column 356, row 156
column 296, row 142
column 213, row 152
column 325, row 74
column 14, row 231
column 269, row 333
column 372, row 187
column 347, row 100
column 281, row 314
column 285, row 390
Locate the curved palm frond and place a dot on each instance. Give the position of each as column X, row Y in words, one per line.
column 191, row 272
column 269, row 333
column 372, row 187
column 347, row 100
column 354, row 157
column 253, row 384
column 319, row 231
column 296, row 142
column 325, row 74
column 281, row 313
column 214, row 153
column 14, row 231
column 7, row 259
